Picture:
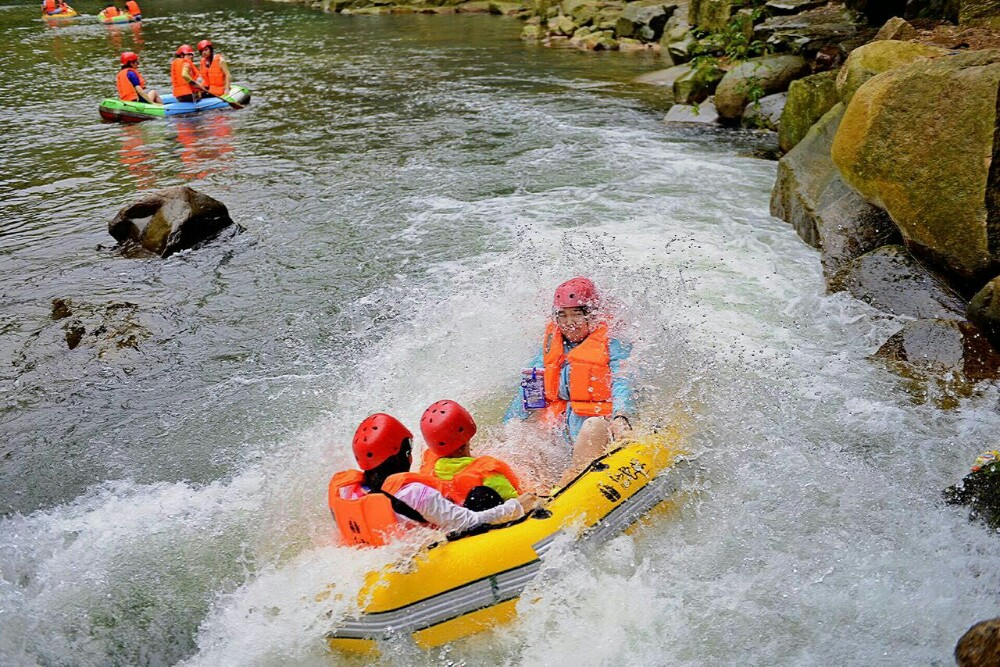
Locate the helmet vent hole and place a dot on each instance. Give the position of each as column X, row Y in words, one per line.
column 440, row 444
column 461, row 429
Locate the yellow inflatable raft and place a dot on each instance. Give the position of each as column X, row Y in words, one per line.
column 470, row 584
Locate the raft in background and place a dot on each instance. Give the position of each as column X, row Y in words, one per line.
column 470, row 584
column 121, row 18
column 70, row 13
column 132, row 112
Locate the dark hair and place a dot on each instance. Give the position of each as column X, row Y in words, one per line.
column 397, row 463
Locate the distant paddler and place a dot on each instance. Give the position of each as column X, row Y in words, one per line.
column 132, row 7
column 51, row 7
column 214, row 70
column 110, row 11
column 131, row 84
column 184, row 75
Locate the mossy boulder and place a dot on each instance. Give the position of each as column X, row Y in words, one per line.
column 877, row 57
column 980, row 645
column 918, row 142
column 984, row 311
column 688, row 114
column 713, row 15
column 980, row 13
column 533, row 32
column 808, row 99
column 896, row 28
column 644, row 19
column 697, row 84
column 663, row 77
column 756, row 77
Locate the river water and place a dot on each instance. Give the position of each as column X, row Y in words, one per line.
column 412, row 189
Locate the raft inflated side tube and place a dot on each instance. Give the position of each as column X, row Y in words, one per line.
column 69, row 13
column 470, row 584
column 132, row 112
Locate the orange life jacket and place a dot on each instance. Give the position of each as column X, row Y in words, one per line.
column 132, row 7
column 111, row 12
column 589, row 373
column 50, row 6
column 369, row 521
column 213, row 76
column 180, row 84
column 126, row 90
column 457, row 488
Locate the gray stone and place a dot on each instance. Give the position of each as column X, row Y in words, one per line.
column 984, row 311
column 848, row 227
column 891, row 280
column 170, row 220
column 766, row 113
column 767, row 74
column 644, row 19
column 697, row 84
column 784, row 7
column 663, row 77
column 810, row 31
column 896, row 28
column 944, row 347
column 703, row 114
column 808, row 99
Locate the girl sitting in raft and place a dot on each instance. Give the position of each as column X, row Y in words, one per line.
column 374, row 504
column 581, row 391
column 475, row 483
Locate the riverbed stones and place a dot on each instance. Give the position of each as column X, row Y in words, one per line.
column 984, row 311
column 808, row 99
column 758, row 76
column 877, row 57
column 663, row 77
column 979, row 13
column 644, row 19
column 170, row 220
column 848, row 227
column 918, row 141
column 713, row 15
column 891, row 280
column 943, row 347
column 766, row 113
column 689, row 114
column 783, row 7
column 896, row 28
column 810, row 31
column 677, row 40
column 697, row 84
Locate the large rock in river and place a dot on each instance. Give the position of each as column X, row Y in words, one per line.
column 808, row 100
column 984, row 311
column 762, row 76
column 918, row 141
column 877, row 57
column 170, row 220
column 943, row 346
column 889, row 279
column 807, row 33
column 644, row 19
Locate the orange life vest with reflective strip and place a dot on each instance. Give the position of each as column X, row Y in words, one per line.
column 132, row 7
column 177, row 80
column 126, row 90
column 471, row 476
column 369, row 521
column 589, row 373
column 213, row 76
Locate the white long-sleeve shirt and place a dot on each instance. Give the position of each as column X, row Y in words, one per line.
column 448, row 516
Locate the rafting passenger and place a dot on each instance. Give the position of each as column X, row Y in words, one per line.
column 131, row 84
column 110, row 11
column 475, row 483
column 184, row 75
column 587, row 398
column 132, row 7
column 53, row 6
column 214, row 71
column 374, row 504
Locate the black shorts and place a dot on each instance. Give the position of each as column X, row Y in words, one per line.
column 185, row 98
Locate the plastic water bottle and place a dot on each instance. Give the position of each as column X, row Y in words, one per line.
column 533, row 389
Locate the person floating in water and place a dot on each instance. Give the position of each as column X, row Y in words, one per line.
column 131, row 84
column 476, row 483
column 580, row 388
column 214, row 71
column 373, row 505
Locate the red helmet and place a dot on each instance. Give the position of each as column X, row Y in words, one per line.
column 379, row 437
column 204, row 44
column 129, row 57
column 446, row 426
column 575, row 293
column 183, row 50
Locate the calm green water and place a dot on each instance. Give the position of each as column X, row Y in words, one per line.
column 412, row 189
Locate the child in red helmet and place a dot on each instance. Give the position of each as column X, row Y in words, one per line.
column 476, row 483
column 576, row 383
column 373, row 504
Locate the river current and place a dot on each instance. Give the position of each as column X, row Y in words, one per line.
column 412, row 190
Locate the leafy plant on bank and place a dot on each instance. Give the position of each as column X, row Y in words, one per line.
column 731, row 44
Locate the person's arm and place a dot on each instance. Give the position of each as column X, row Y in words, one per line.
column 450, row 517
column 192, row 76
column 133, row 78
column 622, row 390
column 225, row 70
column 516, row 409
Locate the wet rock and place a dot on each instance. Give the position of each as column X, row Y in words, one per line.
column 891, row 280
column 943, row 346
column 757, row 76
column 533, row 32
column 784, row 7
column 877, row 57
column 805, row 175
column 766, row 113
column 702, row 114
column 562, row 25
column 980, row 645
column 170, row 220
column 984, row 311
column 697, row 84
column 677, row 40
column 808, row 100
column 918, row 141
column 848, row 227
column 61, row 308
column 663, row 77
column 644, row 19
column 810, row 31
column 896, row 28
column 74, row 333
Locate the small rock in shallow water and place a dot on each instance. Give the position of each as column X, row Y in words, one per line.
column 980, row 645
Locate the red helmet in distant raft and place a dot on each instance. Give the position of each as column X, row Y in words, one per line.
column 184, row 50
column 129, row 57
column 378, row 438
column 446, row 426
column 576, row 292
column 204, row 44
